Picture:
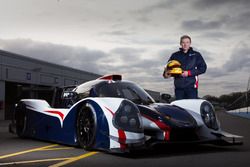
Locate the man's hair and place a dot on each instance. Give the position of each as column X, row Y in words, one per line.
column 185, row 37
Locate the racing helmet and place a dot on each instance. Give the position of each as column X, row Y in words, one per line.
column 174, row 67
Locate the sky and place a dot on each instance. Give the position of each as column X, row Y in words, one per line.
column 133, row 38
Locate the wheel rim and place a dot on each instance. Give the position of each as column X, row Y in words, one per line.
column 86, row 128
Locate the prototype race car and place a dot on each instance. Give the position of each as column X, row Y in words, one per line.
column 115, row 115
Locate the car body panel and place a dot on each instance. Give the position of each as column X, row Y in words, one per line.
column 179, row 121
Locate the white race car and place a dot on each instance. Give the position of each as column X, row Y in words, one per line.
column 115, row 115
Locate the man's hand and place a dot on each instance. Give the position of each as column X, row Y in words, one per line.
column 184, row 74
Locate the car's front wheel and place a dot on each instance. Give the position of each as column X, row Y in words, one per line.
column 86, row 127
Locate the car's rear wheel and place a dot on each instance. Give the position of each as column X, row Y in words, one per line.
column 86, row 127
column 21, row 120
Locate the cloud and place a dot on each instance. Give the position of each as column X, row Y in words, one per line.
column 135, row 40
column 123, row 57
column 201, row 4
column 232, row 76
column 207, row 56
column 117, row 33
column 161, row 5
column 218, row 16
column 240, row 21
column 75, row 57
column 127, row 61
column 126, row 51
column 220, row 26
column 143, row 19
column 239, row 60
column 216, row 72
column 131, row 63
column 197, row 24
column 218, row 35
column 238, row 64
column 134, row 66
column 151, row 41
column 166, row 53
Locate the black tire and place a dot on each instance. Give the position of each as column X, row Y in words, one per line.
column 86, row 127
column 21, row 120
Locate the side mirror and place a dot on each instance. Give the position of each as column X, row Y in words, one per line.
column 165, row 97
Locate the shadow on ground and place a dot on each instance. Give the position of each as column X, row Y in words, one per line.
column 159, row 151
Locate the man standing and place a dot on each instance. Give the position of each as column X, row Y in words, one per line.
column 192, row 65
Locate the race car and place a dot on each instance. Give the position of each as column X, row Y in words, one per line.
column 116, row 115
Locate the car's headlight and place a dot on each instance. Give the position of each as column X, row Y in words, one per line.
column 127, row 117
column 208, row 115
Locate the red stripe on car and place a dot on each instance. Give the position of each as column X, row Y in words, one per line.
column 122, row 139
column 161, row 125
column 121, row 133
column 56, row 112
column 110, row 111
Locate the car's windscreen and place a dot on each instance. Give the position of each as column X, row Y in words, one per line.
column 126, row 90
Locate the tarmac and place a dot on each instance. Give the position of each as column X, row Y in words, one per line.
column 25, row 152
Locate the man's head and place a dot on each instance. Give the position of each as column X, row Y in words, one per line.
column 185, row 42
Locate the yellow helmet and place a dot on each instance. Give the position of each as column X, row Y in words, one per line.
column 175, row 71
column 174, row 67
column 173, row 63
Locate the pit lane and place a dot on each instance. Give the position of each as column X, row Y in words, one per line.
column 27, row 152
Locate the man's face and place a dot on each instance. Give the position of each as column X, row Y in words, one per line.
column 185, row 44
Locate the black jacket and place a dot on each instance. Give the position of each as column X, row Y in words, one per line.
column 192, row 62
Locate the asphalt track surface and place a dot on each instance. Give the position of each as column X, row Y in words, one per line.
column 27, row 152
